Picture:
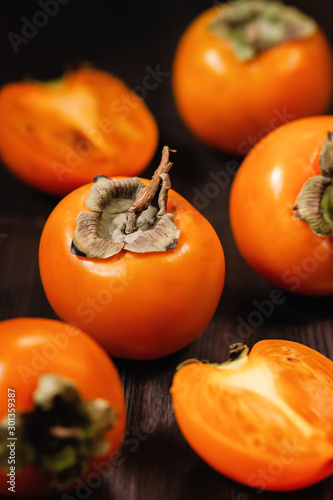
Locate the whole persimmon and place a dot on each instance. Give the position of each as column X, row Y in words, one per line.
column 245, row 67
column 62, row 410
column 133, row 263
column 281, row 206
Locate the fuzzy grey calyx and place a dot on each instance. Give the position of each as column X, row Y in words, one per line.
column 308, row 205
column 314, row 204
column 102, row 232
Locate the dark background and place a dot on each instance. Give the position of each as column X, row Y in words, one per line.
column 124, row 38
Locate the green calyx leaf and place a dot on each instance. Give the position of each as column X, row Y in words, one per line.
column 62, row 432
column 308, row 205
column 314, row 204
column 326, row 157
column 253, row 26
column 326, row 205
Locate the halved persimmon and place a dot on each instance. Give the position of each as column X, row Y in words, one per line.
column 263, row 419
column 59, row 135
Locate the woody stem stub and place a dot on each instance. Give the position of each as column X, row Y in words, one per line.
column 146, row 197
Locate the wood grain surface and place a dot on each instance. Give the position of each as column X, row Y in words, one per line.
column 125, row 38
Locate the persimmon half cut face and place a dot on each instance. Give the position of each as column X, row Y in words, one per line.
column 264, row 419
column 57, row 136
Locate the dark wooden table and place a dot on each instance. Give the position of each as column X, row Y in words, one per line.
column 156, row 462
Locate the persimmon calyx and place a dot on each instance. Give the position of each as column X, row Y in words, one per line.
column 61, row 433
column 314, row 204
column 253, row 26
column 126, row 215
column 237, row 356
